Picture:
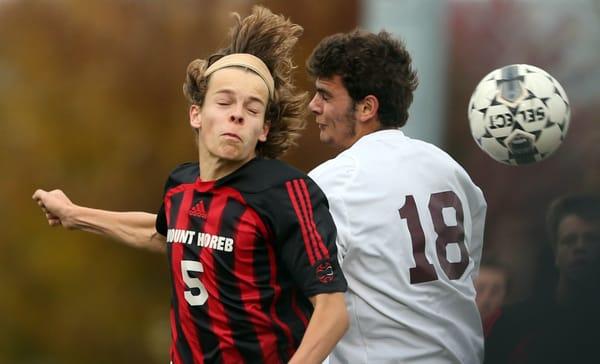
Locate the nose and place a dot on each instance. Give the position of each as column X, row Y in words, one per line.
column 581, row 244
column 315, row 105
column 238, row 119
column 237, row 115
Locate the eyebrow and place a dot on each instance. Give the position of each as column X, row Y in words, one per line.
column 231, row 92
column 323, row 91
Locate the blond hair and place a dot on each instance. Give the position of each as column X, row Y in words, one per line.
column 271, row 38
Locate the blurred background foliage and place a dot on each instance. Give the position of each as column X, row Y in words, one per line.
column 91, row 102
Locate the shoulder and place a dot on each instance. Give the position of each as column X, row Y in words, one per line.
column 276, row 190
column 262, row 174
column 276, row 170
column 343, row 163
column 436, row 155
column 437, row 159
column 184, row 173
column 447, row 166
column 336, row 172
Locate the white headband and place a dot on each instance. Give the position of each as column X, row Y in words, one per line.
column 247, row 61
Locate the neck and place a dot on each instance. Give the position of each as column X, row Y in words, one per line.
column 577, row 293
column 363, row 129
column 213, row 168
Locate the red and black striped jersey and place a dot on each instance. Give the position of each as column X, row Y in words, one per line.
column 245, row 253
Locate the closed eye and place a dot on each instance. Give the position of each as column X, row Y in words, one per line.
column 568, row 240
column 323, row 94
column 254, row 108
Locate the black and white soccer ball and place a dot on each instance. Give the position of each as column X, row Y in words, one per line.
column 519, row 114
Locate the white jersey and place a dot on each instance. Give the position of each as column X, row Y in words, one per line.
column 410, row 231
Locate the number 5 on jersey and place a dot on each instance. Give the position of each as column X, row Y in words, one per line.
column 424, row 271
column 188, row 268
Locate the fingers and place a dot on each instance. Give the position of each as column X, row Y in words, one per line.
column 53, row 220
column 38, row 197
column 38, row 194
column 51, row 216
column 52, row 203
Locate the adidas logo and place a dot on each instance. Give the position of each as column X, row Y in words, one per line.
column 198, row 210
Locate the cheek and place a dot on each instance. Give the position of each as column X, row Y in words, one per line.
column 262, row 130
column 205, row 122
column 332, row 115
column 498, row 293
column 262, row 136
column 206, row 129
column 561, row 254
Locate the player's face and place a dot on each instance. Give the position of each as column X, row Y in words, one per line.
column 232, row 120
column 334, row 112
column 491, row 290
column 578, row 248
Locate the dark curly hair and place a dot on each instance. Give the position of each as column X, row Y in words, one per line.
column 271, row 38
column 584, row 205
column 369, row 64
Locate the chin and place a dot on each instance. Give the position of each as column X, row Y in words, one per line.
column 579, row 273
column 234, row 156
column 230, row 152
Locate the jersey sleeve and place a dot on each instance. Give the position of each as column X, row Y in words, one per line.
column 161, row 218
column 305, row 235
column 161, row 221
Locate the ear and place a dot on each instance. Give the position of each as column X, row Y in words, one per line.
column 195, row 117
column 367, row 108
column 262, row 137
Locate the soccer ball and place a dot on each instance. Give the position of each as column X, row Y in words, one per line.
column 519, row 114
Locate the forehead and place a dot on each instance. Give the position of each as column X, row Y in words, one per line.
column 239, row 81
column 575, row 224
column 333, row 85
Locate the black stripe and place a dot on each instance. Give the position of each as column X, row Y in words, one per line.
column 286, row 312
column 176, row 200
column 243, row 331
column 262, row 276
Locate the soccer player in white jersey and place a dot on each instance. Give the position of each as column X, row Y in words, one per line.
column 410, row 220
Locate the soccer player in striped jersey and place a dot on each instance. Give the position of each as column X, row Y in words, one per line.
column 250, row 241
column 410, row 220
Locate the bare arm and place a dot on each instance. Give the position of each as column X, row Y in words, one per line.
column 135, row 229
column 326, row 327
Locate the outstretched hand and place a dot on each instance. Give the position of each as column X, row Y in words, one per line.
column 55, row 204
